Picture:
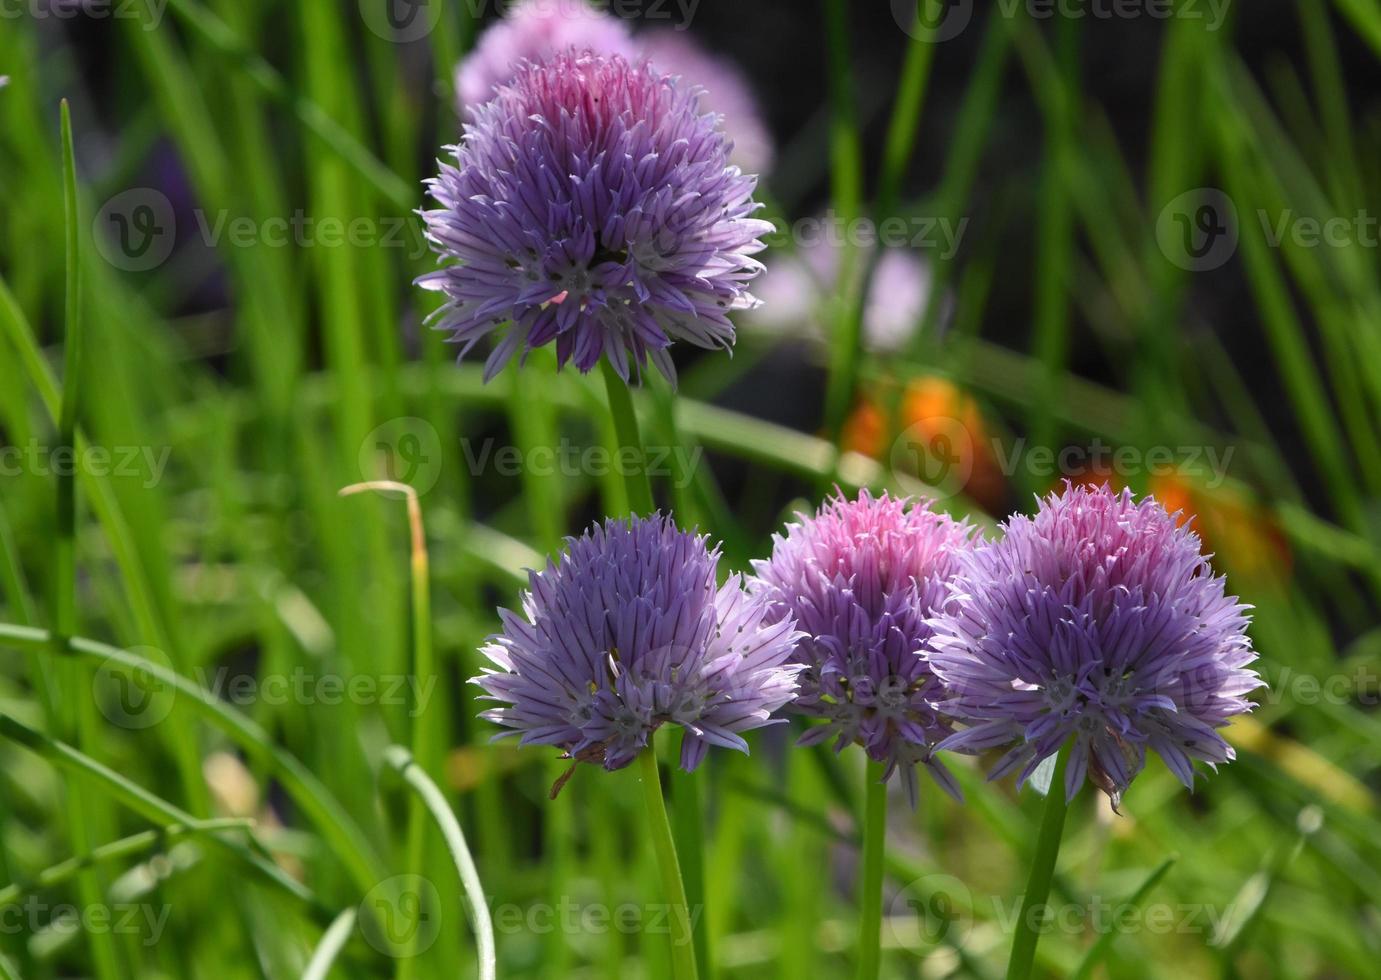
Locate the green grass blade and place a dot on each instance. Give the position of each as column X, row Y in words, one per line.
column 148, row 805
column 1099, row 950
column 298, row 781
column 446, row 822
column 332, row 942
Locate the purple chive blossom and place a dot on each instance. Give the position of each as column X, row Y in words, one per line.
column 860, row 578
column 593, row 205
column 627, row 631
column 726, row 92
column 1097, row 623
column 535, row 30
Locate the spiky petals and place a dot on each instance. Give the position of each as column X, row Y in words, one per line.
column 1097, row 623
column 594, row 207
column 627, row 631
column 860, row 578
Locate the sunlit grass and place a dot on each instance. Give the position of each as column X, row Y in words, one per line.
column 276, row 376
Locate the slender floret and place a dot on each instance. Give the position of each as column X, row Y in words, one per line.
column 593, row 205
column 533, row 31
column 860, row 578
column 628, row 631
column 1099, row 624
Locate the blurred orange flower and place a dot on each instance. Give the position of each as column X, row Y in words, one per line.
column 1242, row 534
column 938, row 433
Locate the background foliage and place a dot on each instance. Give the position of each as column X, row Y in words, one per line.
column 238, row 380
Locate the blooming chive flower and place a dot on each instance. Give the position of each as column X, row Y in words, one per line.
column 534, row 31
column 594, row 206
column 627, row 631
column 726, row 92
column 1097, row 623
column 860, row 578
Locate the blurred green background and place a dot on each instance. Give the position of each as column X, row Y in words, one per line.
column 1146, row 241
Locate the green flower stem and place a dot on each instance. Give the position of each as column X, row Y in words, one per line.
column 1042, row 871
column 687, row 815
column 870, row 896
column 626, row 428
column 686, row 805
column 674, row 892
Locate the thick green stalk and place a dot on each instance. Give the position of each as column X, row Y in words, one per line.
column 1028, row 930
column 686, row 805
column 633, row 461
column 870, row 883
column 688, row 816
column 673, row 890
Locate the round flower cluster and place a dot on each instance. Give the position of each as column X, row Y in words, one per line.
column 593, row 206
column 1096, row 624
column 628, row 631
column 861, row 578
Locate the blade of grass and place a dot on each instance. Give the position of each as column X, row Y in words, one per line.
column 129, row 846
column 332, row 942
column 317, row 803
column 424, row 747
column 152, row 624
column 224, row 41
column 73, row 717
column 1099, row 950
column 148, row 805
column 446, row 822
